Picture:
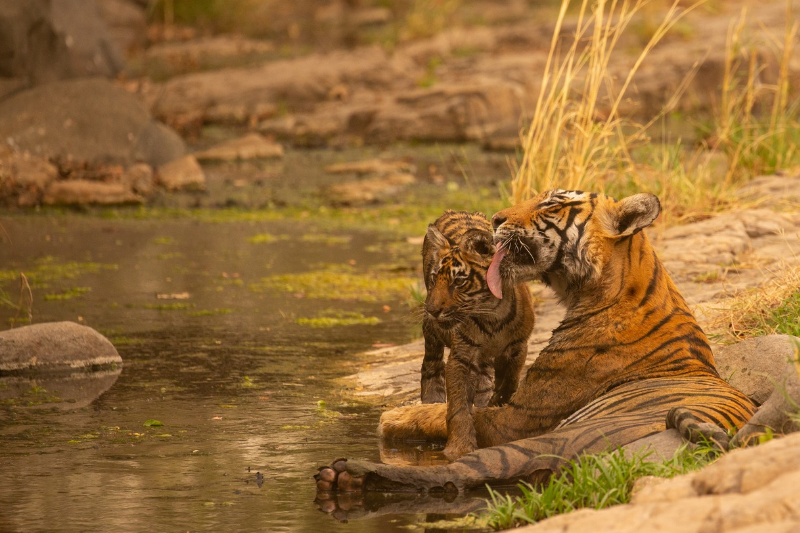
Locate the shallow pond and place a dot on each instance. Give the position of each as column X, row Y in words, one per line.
column 250, row 399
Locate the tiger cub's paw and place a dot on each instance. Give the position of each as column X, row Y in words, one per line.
column 459, row 447
column 337, row 478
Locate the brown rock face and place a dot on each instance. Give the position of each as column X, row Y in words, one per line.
column 182, row 174
column 746, row 491
column 87, row 192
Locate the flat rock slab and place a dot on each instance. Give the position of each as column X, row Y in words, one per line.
column 252, row 146
column 55, row 347
column 184, row 174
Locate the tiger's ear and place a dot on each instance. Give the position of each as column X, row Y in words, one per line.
column 632, row 214
column 479, row 242
column 435, row 237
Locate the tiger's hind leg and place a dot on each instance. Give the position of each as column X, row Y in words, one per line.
column 528, row 459
column 694, row 429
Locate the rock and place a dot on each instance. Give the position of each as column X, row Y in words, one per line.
column 297, row 83
column 369, row 190
column 87, row 192
column 25, row 177
column 756, row 366
column 87, row 120
column 659, row 447
column 777, row 188
column 173, row 58
column 371, row 166
column 92, row 51
column 126, row 21
column 140, row 179
column 182, row 174
column 32, row 50
column 747, row 490
column 47, row 40
column 252, row 146
column 54, row 347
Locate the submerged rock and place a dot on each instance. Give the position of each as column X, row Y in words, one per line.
column 54, row 347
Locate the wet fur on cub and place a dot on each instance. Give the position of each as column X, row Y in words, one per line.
column 487, row 336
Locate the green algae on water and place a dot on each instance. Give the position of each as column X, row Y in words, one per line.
column 67, row 294
column 333, row 318
column 47, row 270
column 339, row 282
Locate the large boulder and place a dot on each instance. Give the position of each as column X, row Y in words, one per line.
column 89, row 120
column 47, row 40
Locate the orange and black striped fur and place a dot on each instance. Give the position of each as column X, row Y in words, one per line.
column 487, row 336
column 628, row 360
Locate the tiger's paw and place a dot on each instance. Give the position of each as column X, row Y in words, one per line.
column 341, row 507
column 336, row 478
column 457, row 449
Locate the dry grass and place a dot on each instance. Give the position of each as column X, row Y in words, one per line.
column 580, row 102
column 577, row 138
column 766, row 310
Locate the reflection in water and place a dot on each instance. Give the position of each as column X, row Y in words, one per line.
column 59, row 391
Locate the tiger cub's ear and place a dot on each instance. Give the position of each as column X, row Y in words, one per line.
column 632, row 214
column 435, row 237
column 478, row 242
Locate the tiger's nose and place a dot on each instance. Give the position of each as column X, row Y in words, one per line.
column 433, row 311
column 497, row 220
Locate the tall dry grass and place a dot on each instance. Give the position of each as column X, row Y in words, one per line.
column 578, row 139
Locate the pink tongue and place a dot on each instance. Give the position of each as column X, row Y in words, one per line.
column 493, row 274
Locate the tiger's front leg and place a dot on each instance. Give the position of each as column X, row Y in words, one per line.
column 433, row 369
column 460, row 396
column 507, row 370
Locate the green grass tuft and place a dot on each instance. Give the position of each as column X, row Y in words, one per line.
column 590, row 481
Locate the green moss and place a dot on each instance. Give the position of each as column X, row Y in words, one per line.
column 331, row 318
column 177, row 306
column 339, row 282
column 47, row 270
column 266, row 238
column 211, row 312
column 67, row 294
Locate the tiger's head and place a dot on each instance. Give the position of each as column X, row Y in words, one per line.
column 456, row 252
column 564, row 238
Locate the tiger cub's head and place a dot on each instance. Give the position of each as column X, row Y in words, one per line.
column 564, row 238
column 456, row 253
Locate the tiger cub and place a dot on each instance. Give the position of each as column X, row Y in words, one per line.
column 487, row 336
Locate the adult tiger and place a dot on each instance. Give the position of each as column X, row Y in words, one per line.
column 627, row 361
column 487, row 336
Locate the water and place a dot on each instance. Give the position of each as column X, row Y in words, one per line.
column 234, row 380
